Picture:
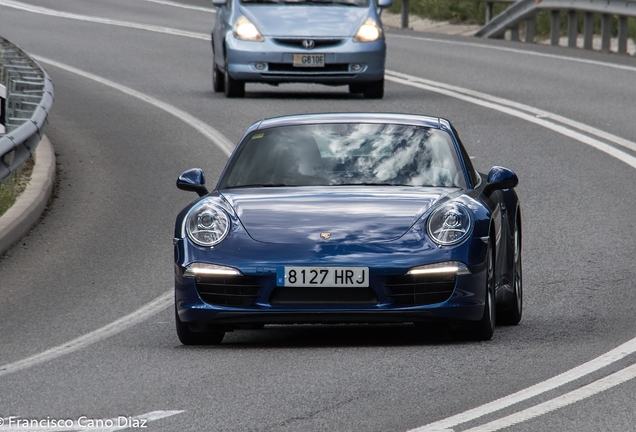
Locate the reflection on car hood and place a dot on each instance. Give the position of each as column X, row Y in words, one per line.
column 363, row 214
column 306, row 21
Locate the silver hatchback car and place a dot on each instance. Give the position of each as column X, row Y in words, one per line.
column 332, row 42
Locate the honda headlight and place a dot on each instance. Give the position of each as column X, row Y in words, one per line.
column 450, row 224
column 245, row 30
column 207, row 224
column 369, row 32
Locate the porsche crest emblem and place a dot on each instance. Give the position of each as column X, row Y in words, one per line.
column 325, row 235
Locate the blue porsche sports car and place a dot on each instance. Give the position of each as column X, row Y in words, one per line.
column 333, row 42
column 348, row 218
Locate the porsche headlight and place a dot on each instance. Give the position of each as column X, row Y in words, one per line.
column 245, row 30
column 449, row 224
column 207, row 224
column 368, row 32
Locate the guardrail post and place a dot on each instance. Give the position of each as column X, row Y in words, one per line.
column 514, row 33
column 573, row 31
column 555, row 27
column 606, row 32
column 588, row 31
column 3, row 109
column 405, row 13
column 489, row 10
column 531, row 25
column 622, row 35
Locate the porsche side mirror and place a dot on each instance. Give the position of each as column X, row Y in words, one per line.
column 219, row 2
column 193, row 180
column 385, row 4
column 500, row 178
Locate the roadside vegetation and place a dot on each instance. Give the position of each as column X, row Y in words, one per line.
column 12, row 186
column 474, row 12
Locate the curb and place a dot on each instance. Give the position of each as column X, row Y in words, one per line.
column 30, row 205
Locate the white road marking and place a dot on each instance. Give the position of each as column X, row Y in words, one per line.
column 566, row 377
column 539, row 113
column 517, row 51
column 497, row 104
column 206, row 130
column 138, row 316
column 585, row 392
column 83, row 424
column 166, row 299
column 468, row 96
column 59, row 14
column 181, row 5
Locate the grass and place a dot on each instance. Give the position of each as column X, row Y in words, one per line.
column 474, row 12
column 12, row 186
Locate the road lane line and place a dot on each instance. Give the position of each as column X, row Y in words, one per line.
column 585, row 392
column 516, row 51
column 206, row 130
column 59, row 14
column 539, row 113
column 137, row 317
column 181, row 5
column 571, row 375
column 161, row 302
column 465, row 96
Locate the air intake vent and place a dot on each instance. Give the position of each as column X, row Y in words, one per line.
column 420, row 290
column 228, row 291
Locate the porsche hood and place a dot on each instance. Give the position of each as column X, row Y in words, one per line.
column 341, row 214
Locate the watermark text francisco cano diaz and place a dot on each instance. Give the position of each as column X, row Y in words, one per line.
column 79, row 423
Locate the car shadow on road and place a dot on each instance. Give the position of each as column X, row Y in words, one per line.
column 351, row 335
column 301, row 95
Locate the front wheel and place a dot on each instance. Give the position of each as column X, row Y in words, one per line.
column 374, row 90
column 188, row 337
column 485, row 328
column 218, row 80
column 233, row 88
column 513, row 312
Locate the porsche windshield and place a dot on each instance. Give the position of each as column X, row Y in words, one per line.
column 345, row 154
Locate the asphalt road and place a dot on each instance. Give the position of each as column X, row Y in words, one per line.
column 103, row 249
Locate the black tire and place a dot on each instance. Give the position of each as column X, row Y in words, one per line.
column 356, row 88
column 485, row 328
column 233, row 88
column 188, row 337
column 374, row 90
column 218, row 80
column 513, row 311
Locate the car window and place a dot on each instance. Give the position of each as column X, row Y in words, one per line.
column 472, row 172
column 345, row 154
column 364, row 3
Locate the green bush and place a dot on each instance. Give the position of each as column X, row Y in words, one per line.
column 12, row 186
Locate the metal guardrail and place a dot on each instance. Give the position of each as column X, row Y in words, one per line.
column 526, row 10
column 26, row 97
